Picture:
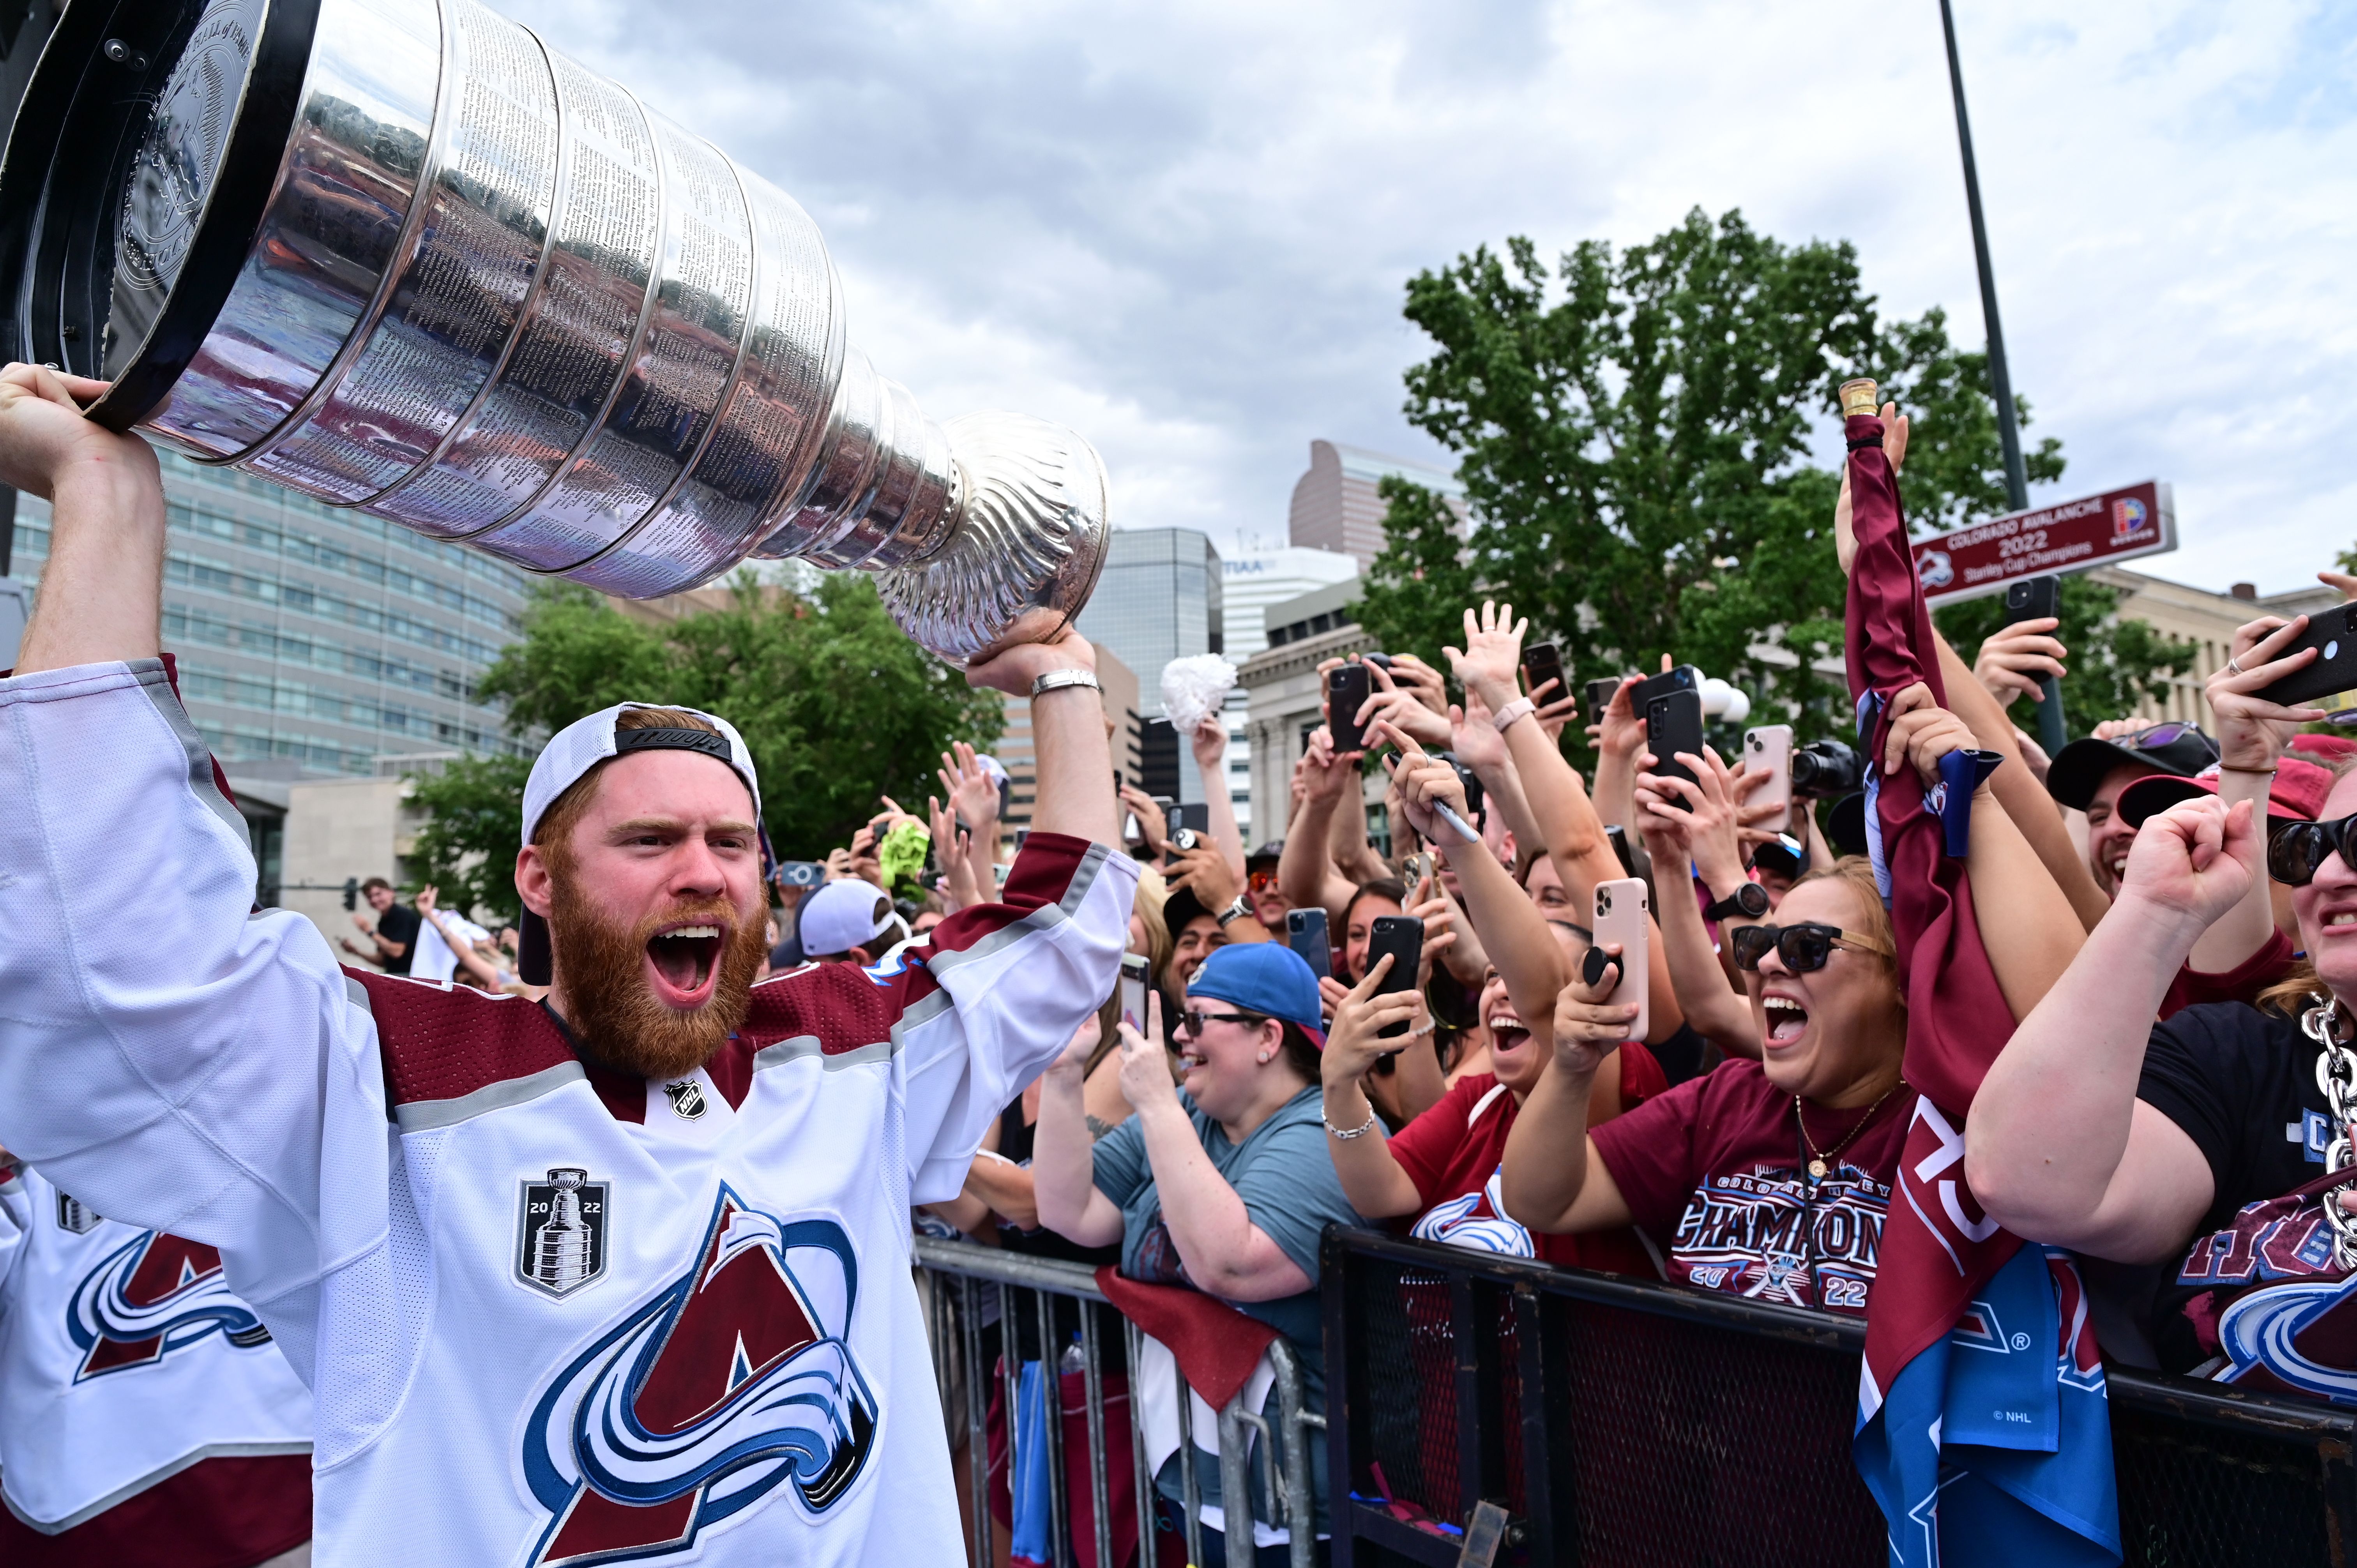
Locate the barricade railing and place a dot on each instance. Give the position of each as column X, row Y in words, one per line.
column 966, row 1279
column 1626, row 1421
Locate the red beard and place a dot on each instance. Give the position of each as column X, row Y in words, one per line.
column 617, row 1017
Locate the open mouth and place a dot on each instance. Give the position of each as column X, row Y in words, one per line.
column 1506, row 1031
column 685, row 961
column 1787, row 1019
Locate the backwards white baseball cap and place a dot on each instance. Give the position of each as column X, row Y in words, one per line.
column 581, row 745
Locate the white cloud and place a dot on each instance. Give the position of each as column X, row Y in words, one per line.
column 1185, row 230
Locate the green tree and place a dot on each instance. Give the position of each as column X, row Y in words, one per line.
column 2113, row 663
column 834, row 701
column 1635, row 432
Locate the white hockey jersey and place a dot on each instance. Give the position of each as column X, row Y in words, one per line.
column 549, row 1315
column 125, row 1361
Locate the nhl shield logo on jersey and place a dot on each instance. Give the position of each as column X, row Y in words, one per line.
column 737, row 1377
column 75, row 1216
column 154, row 1295
column 686, row 1097
column 561, row 1231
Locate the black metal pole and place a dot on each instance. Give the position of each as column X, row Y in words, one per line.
column 2016, row 478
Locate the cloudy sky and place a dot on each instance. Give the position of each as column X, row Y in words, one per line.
column 1185, row 230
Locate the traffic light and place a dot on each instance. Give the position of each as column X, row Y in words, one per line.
column 352, row 892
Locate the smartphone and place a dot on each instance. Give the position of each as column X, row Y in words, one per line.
column 1195, row 816
column 2333, row 634
column 1543, row 663
column 1621, row 917
column 2029, row 599
column 1401, row 936
column 1672, row 725
column 1617, row 837
column 1305, row 933
column 802, row 874
column 1770, row 747
column 1414, row 869
column 1348, row 687
column 1679, row 678
column 1132, row 991
column 1601, row 694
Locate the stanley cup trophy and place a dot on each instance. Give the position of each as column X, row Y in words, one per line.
column 402, row 256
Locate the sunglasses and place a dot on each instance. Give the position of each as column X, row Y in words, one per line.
column 2299, row 850
column 2158, row 735
column 1192, row 1021
column 1261, row 881
column 1804, row 948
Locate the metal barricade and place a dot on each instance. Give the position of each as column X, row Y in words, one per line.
column 1628, row 1421
column 961, row 1272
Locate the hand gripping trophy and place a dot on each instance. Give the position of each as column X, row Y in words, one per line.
column 404, row 256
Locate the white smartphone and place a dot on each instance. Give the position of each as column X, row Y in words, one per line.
column 1770, row 747
column 1132, row 991
column 1621, row 916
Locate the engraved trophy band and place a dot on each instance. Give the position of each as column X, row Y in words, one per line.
column 404, row 256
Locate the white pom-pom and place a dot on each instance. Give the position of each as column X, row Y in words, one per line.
column 1193, row 689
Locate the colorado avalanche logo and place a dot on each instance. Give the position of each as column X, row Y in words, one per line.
column 735, row 1379
column 153, row 1296
column 1459, row 1223
column 2293, row 1336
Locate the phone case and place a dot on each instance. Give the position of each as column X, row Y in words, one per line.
column 2032, row 598
column 1672, row 725
column 1347, row 691
column 1621, row 917
column 1542, row 663
column 1600, row 696
column 1132, row 991
column 1770, row 747
column 1401, row 936
column 1679, row 678
column 2333, row 633
column 1305, row 933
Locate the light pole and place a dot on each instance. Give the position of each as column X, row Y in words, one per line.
column 2017, row 479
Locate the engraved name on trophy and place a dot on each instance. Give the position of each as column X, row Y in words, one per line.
column 404, row 256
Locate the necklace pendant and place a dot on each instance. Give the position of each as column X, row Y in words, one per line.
column 1816, row 1170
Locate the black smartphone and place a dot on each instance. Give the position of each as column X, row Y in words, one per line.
column 1543, row 663
column 1672, row 725
column 2029, row 599
column 1305, row 933
column 2333, row 634
column 1601, row 694
column 1679, row 678
column 1348, row 687
column 1401, row 936
column 1195, row 815
column 1477, row 801
column 1617, row 837
column 1383, row 658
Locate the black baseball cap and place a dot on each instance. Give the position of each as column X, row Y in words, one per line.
column 1268, row 853
column 2176, row 748
column 1181, row 908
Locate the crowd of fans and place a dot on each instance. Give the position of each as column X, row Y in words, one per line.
column 2169, row 914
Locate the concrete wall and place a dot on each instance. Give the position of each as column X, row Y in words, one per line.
column 343, row 827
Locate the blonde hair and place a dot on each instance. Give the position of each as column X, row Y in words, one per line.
column 1152, row 893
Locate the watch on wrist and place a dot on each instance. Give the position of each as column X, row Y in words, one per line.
column 1056, row 680
column 1235, row 911
column 1749, row 900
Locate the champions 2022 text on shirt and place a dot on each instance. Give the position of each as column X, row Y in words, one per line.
column 547, row 1314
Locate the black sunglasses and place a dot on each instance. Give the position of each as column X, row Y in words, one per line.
column 1804, row 948
column 2297, row 851
column 1193, row 1020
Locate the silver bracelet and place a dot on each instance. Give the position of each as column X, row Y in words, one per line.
column 1057, row 679
column 1359, row 1131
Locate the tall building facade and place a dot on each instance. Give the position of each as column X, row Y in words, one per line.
column 315, row 643
column 1336, row 505
column 1162, row 596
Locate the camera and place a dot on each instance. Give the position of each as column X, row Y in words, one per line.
column 1826, row 767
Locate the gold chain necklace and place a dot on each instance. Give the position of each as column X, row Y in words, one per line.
column 1819, row 1158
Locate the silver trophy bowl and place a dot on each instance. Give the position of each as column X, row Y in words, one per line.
column 402, row 256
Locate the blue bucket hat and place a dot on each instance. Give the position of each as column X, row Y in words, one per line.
column 1266, row 978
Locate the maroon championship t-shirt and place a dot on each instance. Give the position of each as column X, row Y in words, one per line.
column 1452, row 1153
column 1714, row 1169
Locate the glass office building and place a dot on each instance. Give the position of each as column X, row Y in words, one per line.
column 1158, row 599
column 313, row 640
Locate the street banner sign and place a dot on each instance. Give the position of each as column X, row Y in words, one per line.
column 2094, row 530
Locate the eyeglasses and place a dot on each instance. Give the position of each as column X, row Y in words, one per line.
column 2298, row 850
column 1804, row 948
column 1193, row 1020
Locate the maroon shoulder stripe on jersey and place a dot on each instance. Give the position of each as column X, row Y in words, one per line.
column 445, row 1042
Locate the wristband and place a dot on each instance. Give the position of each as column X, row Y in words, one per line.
column 2255, row 772
column 1512, row 713
column 1057, row 679
column 1359, row 1131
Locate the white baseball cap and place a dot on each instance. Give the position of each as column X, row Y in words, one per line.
column 843, row 915
column 581, row 745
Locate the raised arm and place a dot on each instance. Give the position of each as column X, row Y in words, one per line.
column 1699, row 830
column 2028, row 928
column 2058, row 1148
column 1372, row 1179
column 1304, row 874
column 1063, row 1169
column 1473, row 736
column 474, row 963
column 1552, row 1178
column 1210, row 741
column 2251, row 732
